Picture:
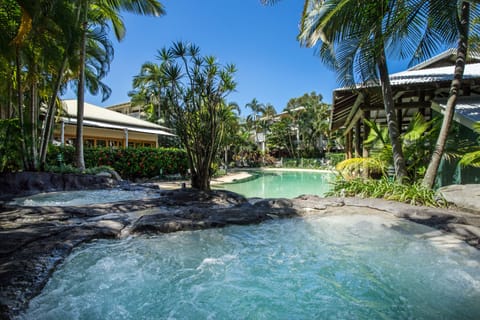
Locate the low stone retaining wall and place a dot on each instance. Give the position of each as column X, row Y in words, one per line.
column 26, row 183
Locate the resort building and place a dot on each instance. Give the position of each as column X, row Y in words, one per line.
column 103, row 127
column 128, row 109
column 423, row 89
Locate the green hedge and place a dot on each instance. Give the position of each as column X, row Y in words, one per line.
column 130, row 163
column 10, row 142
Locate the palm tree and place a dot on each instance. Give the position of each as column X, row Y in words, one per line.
column 269, row 113
column 229, row 128
column 44, row 34
column 148, row 87
column 355, row 40
column 67, row 34
column 464, row 19
column 257, row 110
column 101, row 11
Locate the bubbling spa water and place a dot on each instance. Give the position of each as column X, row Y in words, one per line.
column 83, row 197
column 333, row 267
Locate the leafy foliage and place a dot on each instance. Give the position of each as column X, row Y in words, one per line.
column 418, row 142
column 303, row 130
column 10, row 146
column 414, row 194
column 472, row 158
column 195, row 88
column 130, row 163
column 361, row 167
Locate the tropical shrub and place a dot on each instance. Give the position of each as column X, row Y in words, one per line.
column 334, row 158
column 71, row 169
column 414, row 194
column 306, row 163
column 10, row 152
column 361, row 167
column 130, row 163
column 252, row 158
column 472, row 158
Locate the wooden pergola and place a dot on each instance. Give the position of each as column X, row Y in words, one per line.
column 416, row 90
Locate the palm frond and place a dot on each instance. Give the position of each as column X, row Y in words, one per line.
column 417, row 127
column 355, row 167
column 471, row 159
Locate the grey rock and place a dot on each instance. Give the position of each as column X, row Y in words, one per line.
column 466, row 196
column 27, row 183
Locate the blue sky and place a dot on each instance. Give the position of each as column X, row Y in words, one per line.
column 259, row 40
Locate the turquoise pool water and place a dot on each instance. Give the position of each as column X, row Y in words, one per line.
column 336, row 267
column 282, row 184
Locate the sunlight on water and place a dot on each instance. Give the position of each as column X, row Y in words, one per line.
column 337, row 267
column 82, row 197
column 283, row 184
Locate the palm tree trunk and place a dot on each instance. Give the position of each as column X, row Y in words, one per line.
column 20, row 108
column 52, row 108
column 431, row 174
column 33, row 120
column 80, row 161
column 393, row 130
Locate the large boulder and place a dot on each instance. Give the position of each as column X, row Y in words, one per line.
column 466, row 196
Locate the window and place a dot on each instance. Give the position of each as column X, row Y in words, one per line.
column 101, row 143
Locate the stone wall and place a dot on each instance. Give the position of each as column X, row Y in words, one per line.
column 27, row 183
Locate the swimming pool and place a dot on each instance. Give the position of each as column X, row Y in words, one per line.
column 332, row 267
column 282, row 184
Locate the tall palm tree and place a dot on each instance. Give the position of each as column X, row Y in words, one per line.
column 44, row 31
column 67, row 35
column 464, row 19
column 229, row 128
column 97, row 12
column 148, row 84
column 257, row 110
column 355, row 40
